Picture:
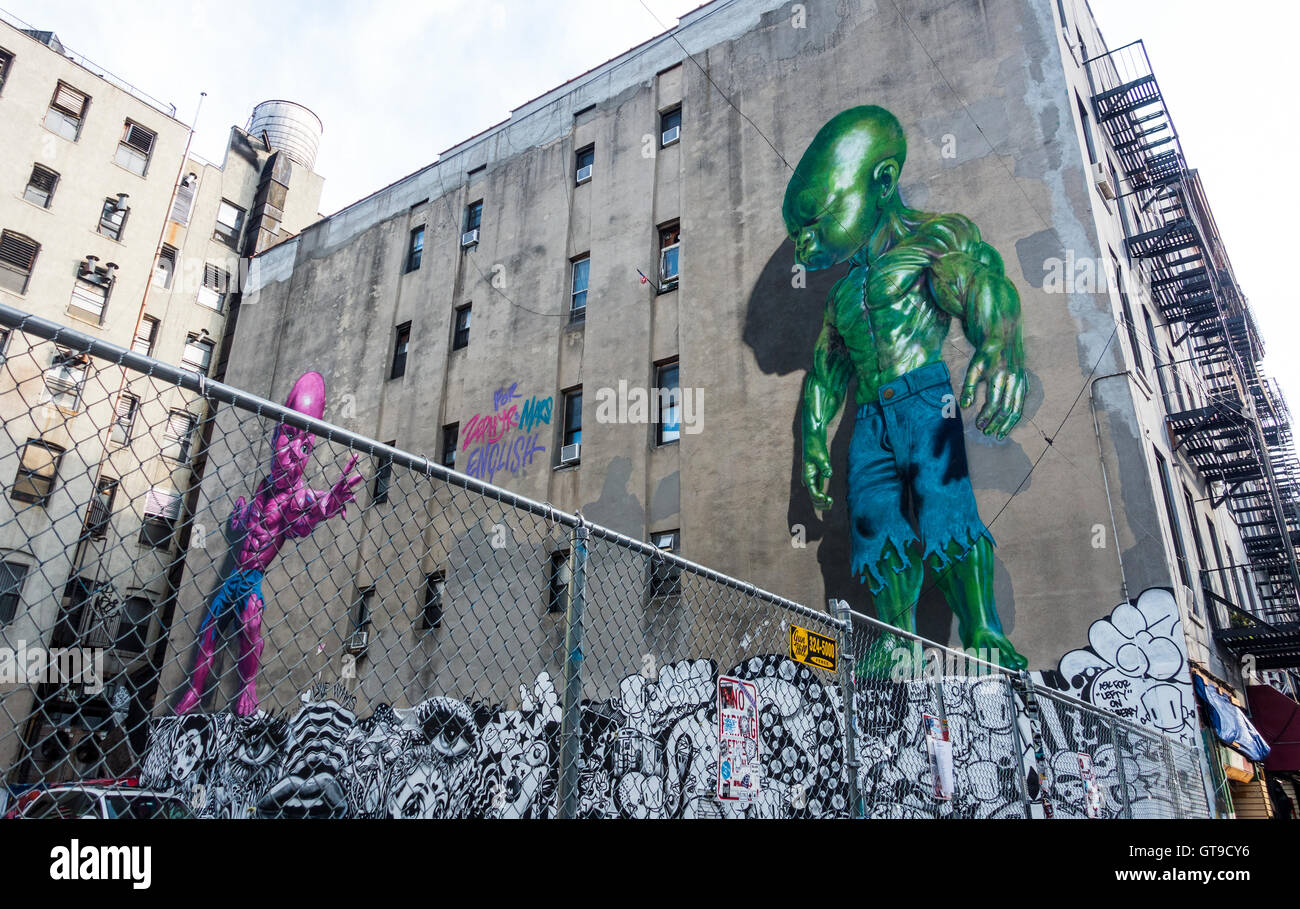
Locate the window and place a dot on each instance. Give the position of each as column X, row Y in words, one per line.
column 557, row 587
column 383, row 477
column 670, row 126
column 586, row 159
column 431, row 610
column 164, row 267
column 6, row 60
column 41, row 186
column 1171, row 515
column 161, row 509
column 361, row 609
column 65, row 379
column 670, row 241
column 17, row 259
column 664, row 579
column 460, row 337
column 578, row 296
column 1087, row 131
column 197, row 354
column 400, row 346
column 177, row 435
column 135, row 148
column 474, row 215
column 1129, row 325
column 216, row 283
column 124, row 421
column 1196, row 540
column 101, row 508
column 112, row 219
column 12, row 575
column 230, row 223
column 133, row 626
column 37, row 470
column 415, row 249
column 67, row 112
column 573, row 417
column 145, row 335
column 450, row 439
column 91, row 296
column 184, row 200
column 5, row 335
column 668, row 420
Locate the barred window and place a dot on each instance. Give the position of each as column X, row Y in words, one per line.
column 165, row 267
column 161, row 509
column 101, row 508
column 184, row 200
column 177, row 435
column 145, row 336
column 124, row 421
column 65, row 378
column 12, row 575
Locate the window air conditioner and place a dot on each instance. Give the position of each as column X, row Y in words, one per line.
column 1102, row 181
column 569, row 453
column 584, row 173
column 671, row 135
column 469, row 238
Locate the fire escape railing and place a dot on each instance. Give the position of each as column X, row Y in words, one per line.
column 1240, row 438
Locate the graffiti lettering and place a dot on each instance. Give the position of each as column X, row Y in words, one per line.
column 490, row 427
column 514, row 456
column 536, row 412
column 504, row 395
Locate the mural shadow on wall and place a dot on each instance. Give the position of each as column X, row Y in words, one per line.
column 781, row 327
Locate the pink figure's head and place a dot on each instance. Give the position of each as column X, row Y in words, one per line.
column 292, row 445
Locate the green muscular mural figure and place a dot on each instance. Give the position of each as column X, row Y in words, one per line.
column 911, row 273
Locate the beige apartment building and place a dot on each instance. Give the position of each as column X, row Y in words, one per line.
column 112, row 226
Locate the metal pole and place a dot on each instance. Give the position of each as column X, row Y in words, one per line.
column 1019, row 746
column 1116, row 731
column 840, row 609
column 1026, row 685
column 571, row 720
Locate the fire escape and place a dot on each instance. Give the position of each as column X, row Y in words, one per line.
column 1240, row 439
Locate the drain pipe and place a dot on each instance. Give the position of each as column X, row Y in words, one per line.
column 1101, row 456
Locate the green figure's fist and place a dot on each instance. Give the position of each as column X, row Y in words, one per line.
column 817, row 477
column 1005, row 391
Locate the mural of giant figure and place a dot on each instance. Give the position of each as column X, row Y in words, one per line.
column 283, row 507
column 910, row 274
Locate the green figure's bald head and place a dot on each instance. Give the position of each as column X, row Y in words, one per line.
column 844, row 181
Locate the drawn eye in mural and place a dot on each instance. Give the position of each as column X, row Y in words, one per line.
column 910, row 499
column 449, row 726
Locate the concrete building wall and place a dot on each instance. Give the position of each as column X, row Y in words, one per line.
column 985, row 96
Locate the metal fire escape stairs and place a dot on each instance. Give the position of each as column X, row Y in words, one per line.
column 1240, row 439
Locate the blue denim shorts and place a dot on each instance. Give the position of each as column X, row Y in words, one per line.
column 234, row 593
column 909, row 443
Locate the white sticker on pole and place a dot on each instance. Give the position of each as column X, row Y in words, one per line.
column 739, row 768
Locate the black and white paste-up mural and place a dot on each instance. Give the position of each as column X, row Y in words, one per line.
column 1135, row 666
column 651, row 749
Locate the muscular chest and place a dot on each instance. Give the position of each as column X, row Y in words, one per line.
column 888, row 300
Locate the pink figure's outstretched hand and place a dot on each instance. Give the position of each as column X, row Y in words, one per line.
column 237, row 515
column 341, row 492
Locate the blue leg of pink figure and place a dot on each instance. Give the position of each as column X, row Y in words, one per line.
column 250, row 655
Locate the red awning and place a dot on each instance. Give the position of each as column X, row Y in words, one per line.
column 1277, row 718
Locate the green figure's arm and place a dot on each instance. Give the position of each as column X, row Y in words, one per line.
column 823, row 396
column 968, row 281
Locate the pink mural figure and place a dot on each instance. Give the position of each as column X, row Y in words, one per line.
column 283, row 507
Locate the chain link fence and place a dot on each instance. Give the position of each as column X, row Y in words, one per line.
column 230, row 601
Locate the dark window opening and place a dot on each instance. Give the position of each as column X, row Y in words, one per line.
column 400, row 347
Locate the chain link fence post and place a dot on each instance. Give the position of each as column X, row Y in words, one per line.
column 1025, row 684
column 1019, row 745
column 840, row 609
column 571, row 718
column 1126, row 806
column 1167, row 755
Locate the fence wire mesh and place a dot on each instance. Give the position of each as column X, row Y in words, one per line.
column 263, row 615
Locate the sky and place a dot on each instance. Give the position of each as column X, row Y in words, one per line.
column 395, row 82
